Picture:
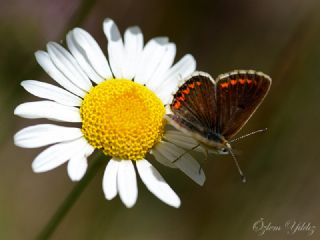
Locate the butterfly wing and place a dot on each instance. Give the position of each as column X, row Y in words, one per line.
column 194, row 106
column 238, row 94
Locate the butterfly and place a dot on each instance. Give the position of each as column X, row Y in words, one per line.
column 213, row 111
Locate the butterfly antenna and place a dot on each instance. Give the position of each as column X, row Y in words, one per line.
column 243, row 178
column 249, row 134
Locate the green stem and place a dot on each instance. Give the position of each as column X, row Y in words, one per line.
column 78, row 17
column 66, row 205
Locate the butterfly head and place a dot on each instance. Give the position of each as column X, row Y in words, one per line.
column 224, row 146
column 216, row 140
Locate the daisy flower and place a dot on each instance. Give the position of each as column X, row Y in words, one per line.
column 120, row 103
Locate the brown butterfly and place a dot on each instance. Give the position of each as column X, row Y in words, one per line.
column 213, row 112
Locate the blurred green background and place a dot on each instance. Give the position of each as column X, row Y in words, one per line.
column 280, row 38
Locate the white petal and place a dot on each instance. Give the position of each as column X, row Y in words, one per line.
column 127, row 183
column 165, row 64
column 182, row 69
column 48, row 109
column 161, row 159
column 77, row 166
column 81, row 57
column 45, row 134
column 156, row 184
column 115, row 47
column 92, row 52
column 65, row 62
column 56, row 155
column 174, row 76
column 133, row 44
column 51, row 92
column 184, row 161
column 168, row 110
column 150, row 59
column 46, row 63
column 109, row 182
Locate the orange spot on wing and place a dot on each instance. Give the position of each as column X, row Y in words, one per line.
column 249, row 81
column 191, row 85
column 242, row 81
column 186, row 91
column 233, row 82
column 198, row 83
column 181, row 98
column 224, row 85
column 176, row 105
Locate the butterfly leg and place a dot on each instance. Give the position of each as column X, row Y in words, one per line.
column 206, row 154
column 189, row 150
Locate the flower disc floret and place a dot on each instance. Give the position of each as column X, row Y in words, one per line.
column 122, row 118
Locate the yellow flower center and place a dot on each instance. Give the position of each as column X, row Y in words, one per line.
column 122, row 118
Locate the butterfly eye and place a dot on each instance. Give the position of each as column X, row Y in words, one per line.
column 224, row 150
